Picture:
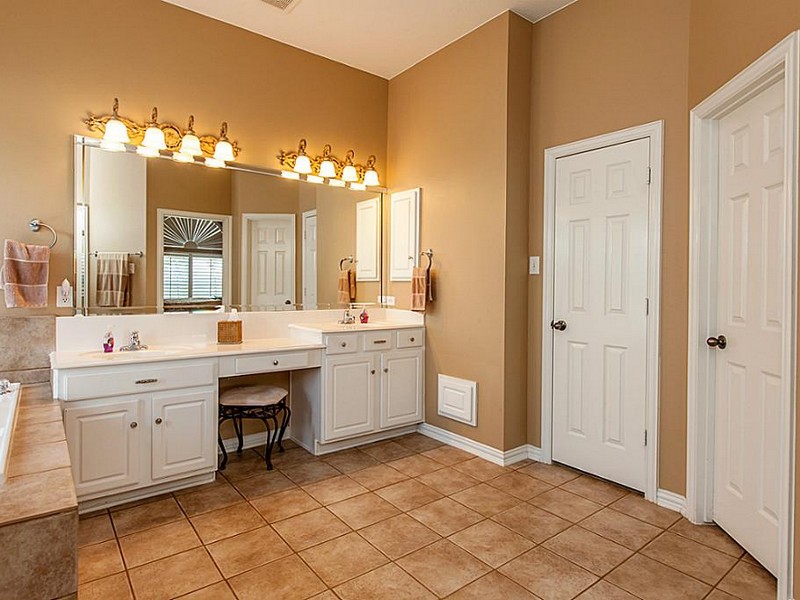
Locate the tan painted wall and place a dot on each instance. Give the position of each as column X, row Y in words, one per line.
column 449, row 118
column 600, row 66
column 63, row 59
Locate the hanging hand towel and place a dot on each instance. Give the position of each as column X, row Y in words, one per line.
column 421, row 288
column 351, row 284
column 343, row 288
column 113, row 280
column 25, row 272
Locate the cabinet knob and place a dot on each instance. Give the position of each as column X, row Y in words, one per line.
column 134, row 425
column 159, row 421
column 344, row 344
column 386, row 369
column 372, row 372
column 275, row 362
column 412, row 339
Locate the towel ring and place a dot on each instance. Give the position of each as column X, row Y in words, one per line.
column 36, row 225
column 346, row 259
column 429, row 254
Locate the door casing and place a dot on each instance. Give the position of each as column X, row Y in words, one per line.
column 655, row 133
column 781, row 62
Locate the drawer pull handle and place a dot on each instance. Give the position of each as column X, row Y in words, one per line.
column 275, row 362
column 378, row 341
column 413, row 339
column 159, row 421
column 344, row 344
column 141, row 381
column 134, row 425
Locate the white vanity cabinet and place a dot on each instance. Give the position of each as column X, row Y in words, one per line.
column 121, row 442
column 372, row 384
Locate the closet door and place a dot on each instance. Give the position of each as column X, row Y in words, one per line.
column 404, row 236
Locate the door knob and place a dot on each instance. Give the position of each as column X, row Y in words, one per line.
column 558, row 325
column 717, row 342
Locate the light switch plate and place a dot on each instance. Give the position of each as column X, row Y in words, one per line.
column 533, row 265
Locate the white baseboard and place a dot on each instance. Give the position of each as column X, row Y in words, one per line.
column 498, row 457
column 251, row 440
column 672, row 501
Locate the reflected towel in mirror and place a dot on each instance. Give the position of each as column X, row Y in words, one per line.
column 24, row 275
column 113, row 279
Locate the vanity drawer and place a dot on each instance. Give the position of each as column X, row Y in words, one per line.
column 109, row 381
column 410, row 338
column 377, row 340
column 267, row 362
column 341, row 344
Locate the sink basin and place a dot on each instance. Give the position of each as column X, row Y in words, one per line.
column 150, row 352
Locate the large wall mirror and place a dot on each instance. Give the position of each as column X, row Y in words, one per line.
column 155, row 235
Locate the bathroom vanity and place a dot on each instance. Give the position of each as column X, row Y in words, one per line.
column 142, row 423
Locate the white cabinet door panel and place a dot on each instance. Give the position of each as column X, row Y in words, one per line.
column 404, row 234
column 349, row 404
column 402, row 373
column 368, row 240
column 184, row 432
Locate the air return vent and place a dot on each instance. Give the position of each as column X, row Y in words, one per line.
column 284, row 5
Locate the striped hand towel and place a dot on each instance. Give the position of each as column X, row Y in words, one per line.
column 26, row 269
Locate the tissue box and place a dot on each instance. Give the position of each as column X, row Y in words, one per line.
column 229, row 332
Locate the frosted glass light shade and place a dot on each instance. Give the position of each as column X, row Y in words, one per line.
column 116, row 132
column 145, row 151
column 315, row 179
column 349, row 173
column 214, row 163
column 154, row 139
column 358, row 187
column 224, row 151
column 336, row 183
column 182, row 158
column 327, row 169
column 190, row 144
column 302, row 164
column 290, row 175
column 371, row 178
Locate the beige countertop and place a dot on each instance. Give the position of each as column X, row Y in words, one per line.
column 159, row 353
column 39, row 479
column 354, row 327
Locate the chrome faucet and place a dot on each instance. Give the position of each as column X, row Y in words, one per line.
column 134, row 343
column 348, row 318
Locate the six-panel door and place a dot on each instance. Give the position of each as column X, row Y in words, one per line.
column 104, row 444
column 349, row 396
column 401, row 388
column 184, row 430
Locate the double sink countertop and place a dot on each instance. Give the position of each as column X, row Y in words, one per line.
column 66, row 359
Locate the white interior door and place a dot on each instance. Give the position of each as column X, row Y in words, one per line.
column 600, row 312
column 751, row 250
column 310, row 259
column 272, row 262
column 404, row 234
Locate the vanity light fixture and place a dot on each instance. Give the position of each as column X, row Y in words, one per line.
column 290, row 175
column 302, row 164
column 190, row 143
column 153, row 136
column 116, row 134
column 371, row 175
column 223, row 149
column 327, row 168
column 349, row 172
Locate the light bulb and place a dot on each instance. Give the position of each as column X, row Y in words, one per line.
column 315, row 179
column 349, row 173
column 327, row 169
column 214, row 163
column 336, row 183
column 148, row 152
column 358, row 187
column 290, row 175
column 302, row 164
column 182, row 158
column 371, row 178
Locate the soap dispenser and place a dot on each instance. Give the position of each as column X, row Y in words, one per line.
column 108, row 341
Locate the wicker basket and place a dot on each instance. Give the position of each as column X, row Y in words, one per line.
column 229, row 332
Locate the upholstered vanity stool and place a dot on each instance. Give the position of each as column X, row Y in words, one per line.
column 263, row 402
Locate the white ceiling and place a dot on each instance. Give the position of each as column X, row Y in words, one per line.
column 383, row 37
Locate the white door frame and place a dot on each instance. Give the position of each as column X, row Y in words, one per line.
column 655, row 133
column 307, row 214
column 227, row 222
column 244, row 265
column 779, row 63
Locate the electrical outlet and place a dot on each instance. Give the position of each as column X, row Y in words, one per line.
column 386, row 300
column 63, row 297
column 533, row 265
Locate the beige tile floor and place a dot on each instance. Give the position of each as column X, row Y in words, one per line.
column 407, row 519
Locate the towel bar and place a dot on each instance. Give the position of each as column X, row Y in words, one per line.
column 36, row 224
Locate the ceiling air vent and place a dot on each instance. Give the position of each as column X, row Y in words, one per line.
column 283, row 5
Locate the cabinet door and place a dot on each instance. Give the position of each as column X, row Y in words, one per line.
column 184, row 427
column 402, row 375
column 349, row 396
column 105, row 444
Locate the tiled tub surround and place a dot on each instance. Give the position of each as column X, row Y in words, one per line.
column 38, row 507
column 407, row 519
column 25, row 346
